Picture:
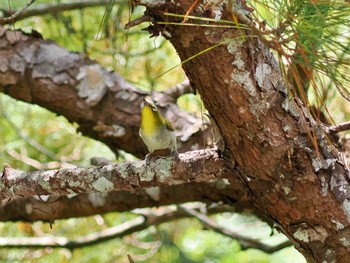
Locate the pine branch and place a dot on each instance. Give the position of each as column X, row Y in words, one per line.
column 104, row 105
column 195, row 166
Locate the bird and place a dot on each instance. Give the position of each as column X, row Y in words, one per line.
column 156, row 131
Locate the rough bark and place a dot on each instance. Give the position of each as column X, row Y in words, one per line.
column 102, row 103
column 192, row 167
column 57, row 194
column 300, row 184
column 267, row 135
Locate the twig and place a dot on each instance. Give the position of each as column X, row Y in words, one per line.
column 152, row 250
column 11, row 18
column 44, row 9
column 244, row 241
column 143, row 245
column 138, row 21
column 136, row 224
column 339, row 128
column 29, row 140
column 190, row 10
column 260, row 34
column 130, row 259
column 25, row 159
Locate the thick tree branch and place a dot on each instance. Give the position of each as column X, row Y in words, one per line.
column 197, row 176
column 35, row 208
column 171, row 95
column 103, row 104
column 196, row 166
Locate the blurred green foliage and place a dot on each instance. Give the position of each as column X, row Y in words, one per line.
column 33, row 138
column 314, row 34
column 182, row 241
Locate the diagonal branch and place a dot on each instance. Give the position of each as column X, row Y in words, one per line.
column 102, row 103
column 244, row 241
column 33, row 143
column 12, row 17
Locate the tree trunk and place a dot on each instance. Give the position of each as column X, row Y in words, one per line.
column 281, row 155
column 275, row 154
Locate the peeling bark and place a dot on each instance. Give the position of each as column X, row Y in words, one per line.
column 269, row 157
column 102, row 103
column 267, row 135
column 57, row 194
column 195, row 166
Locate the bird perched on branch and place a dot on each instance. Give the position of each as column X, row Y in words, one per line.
column 156, row 131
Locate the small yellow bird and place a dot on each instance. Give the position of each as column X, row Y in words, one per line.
column 156, row 131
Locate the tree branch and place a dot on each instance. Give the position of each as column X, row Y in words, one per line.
column 197, row 166
column 171, row 95
column 339, row 127
column 102, row 103
column 147, row 219
column 11, row 18
column 52, row 9
column 55, row 207
column 244, row 241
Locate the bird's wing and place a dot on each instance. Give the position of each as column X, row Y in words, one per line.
column 168, row 125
